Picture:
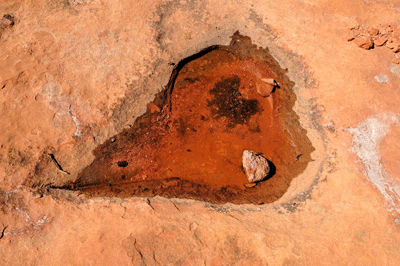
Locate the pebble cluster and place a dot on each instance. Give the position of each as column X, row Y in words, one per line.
column 371, row 37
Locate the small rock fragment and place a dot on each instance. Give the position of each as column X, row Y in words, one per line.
column 352, row 34
column 250, row 185
column 267, row 88
column 255, row 166
column 270, row 81
column 153, row 108
column 6, row 21
column 396, row 61
column 394, row 46
column 373, row 31
column 364, row 42
column 380, row 40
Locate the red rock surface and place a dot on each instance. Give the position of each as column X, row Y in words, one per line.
column 75, row 73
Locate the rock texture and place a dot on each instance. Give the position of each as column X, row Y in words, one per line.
column 74, row 73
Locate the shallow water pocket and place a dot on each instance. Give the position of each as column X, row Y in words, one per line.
column 189, row 144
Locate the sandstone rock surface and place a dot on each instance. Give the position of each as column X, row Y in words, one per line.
column 75, row 73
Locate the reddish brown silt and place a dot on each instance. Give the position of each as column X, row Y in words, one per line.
column 190, row 142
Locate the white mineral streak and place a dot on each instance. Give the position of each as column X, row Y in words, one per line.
column 255, row 166
column 366, row 140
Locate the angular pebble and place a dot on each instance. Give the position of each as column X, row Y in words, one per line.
column 267, row 87
column 255, row 166
column 373, row 31
column 364, row 42
column 250, row 185
column 153, row 107
column 394, row 46
column 380, row 41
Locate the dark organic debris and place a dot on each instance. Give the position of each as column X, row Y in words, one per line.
column 228, row 102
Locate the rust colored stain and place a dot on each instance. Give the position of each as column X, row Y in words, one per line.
column 190, row 142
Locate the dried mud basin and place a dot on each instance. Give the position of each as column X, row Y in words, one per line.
column 218, row 103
